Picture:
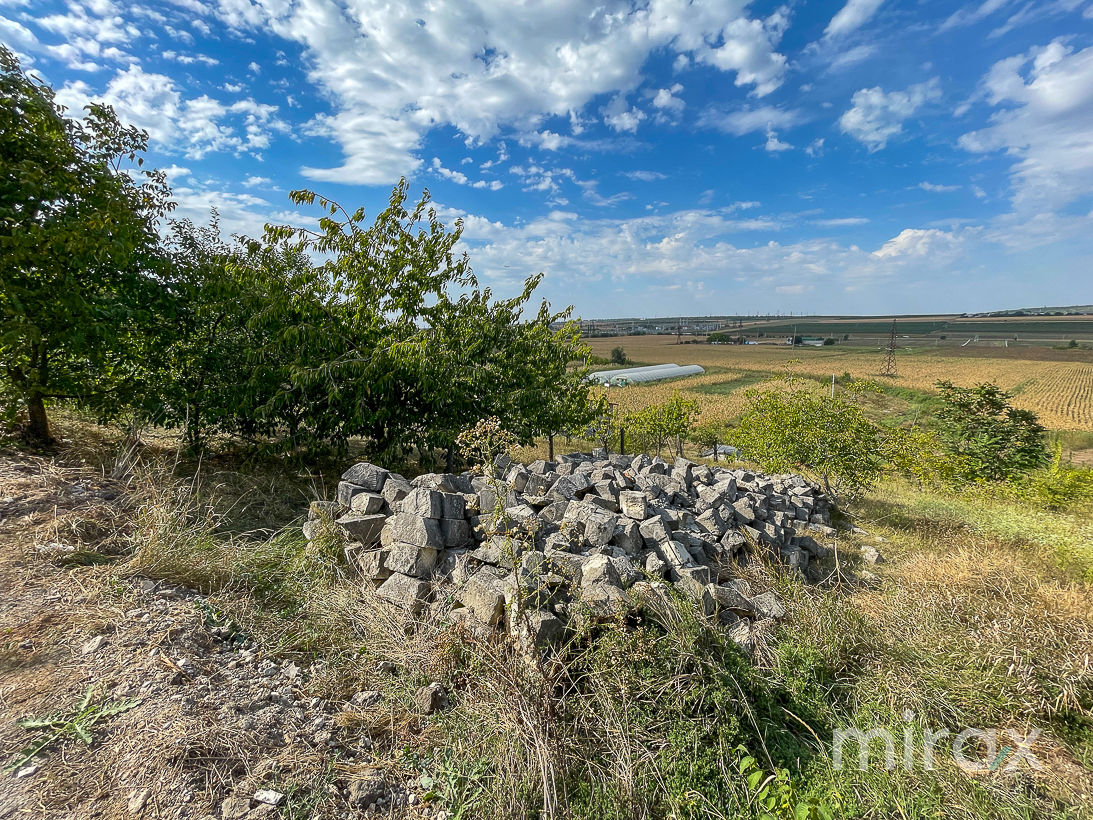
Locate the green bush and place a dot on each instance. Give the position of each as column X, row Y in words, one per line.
column 991, row 439
column 829, row 439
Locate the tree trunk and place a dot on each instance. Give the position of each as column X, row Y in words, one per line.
column 550, row 445
column 37, row 429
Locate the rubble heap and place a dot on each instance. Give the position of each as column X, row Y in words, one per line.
column 588, row 535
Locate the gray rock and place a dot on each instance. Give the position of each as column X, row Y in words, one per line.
column 540, row 629
column 395, row 489
column 363, row 528
column 367, row 503
column 423, row 503
column 599, row 569
column 411, row 560
column 654, row 531
column 674, row 554
column 871, row 555
column 366, row 475
column 347, row 490
column 729, row 597
column 456, row 533
column 744, row 510
column 405, row 592
column 482, row 597
column 411, row 529
column 370, row 563
column 634, row 504
column 769, row 605
column 627, row 536
column 431, row 698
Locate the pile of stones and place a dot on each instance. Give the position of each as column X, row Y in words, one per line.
column 536, row 548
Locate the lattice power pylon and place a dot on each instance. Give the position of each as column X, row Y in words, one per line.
column 890, row 351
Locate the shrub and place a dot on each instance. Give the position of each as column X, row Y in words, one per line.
column 829, row 439
column 993, row 440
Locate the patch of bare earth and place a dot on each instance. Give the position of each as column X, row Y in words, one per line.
column 208, row 720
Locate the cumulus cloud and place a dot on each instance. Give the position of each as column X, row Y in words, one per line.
column 665, row 98
column 1044, row 121
column 938, row 189
column 621, row 116
column 196, row 126
column 851, row 17
column 874, row 117
column 774, row 145
column 489, row 69
column 917, row 242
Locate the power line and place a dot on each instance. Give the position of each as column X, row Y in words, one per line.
column 890, row 360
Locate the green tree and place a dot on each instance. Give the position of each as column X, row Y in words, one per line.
column 791, row 426
column 660, row 426
column 393, row 339
column 618, row 355
column 79, row 252
column 209, row 379
column 992, row 439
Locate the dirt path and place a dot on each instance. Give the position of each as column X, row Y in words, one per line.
column 205, row 719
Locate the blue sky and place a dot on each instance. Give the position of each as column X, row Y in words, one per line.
column 651, row 158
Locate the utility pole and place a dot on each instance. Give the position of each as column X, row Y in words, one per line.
column 890, row 359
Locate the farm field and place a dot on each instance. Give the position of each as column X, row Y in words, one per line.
column 1056, row 385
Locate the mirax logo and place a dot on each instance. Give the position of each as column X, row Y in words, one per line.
column 976, row 751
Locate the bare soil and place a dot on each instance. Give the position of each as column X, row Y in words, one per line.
column 212, row 717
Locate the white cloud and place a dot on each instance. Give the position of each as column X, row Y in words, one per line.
column 240, row 213
column 841, row 222
column 851, row 17
column 666, row 101
column 254, row 182
column 774, row 145
column 459, row 178
column 1044, row 121
column 746, row 120
column 16, row 35
column 969, row 15
column 645, row 176
column 917, row 242
column 195, row 126
column 190, row 59
column 875, row 117
column 938, row 189
column 489, row 69
column 619, row 115
column 850, row 57
column 816, row 147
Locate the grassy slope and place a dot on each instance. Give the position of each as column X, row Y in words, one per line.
column 983, row 618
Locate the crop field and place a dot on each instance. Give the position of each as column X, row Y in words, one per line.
column 1059, row 391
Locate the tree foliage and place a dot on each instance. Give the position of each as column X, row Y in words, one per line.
column 309, row 335
column 991, row 439
column 662, row 426
column 393, row 339
column 78, row 250
column 792, row 427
